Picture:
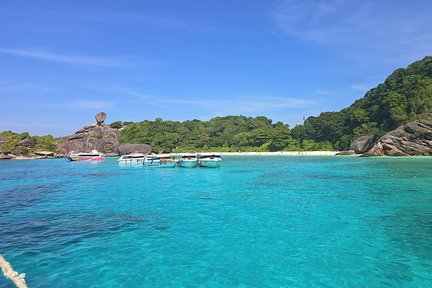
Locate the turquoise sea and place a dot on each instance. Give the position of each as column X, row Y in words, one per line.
column 254, row 222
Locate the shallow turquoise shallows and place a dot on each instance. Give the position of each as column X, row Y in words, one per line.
column 254, row 222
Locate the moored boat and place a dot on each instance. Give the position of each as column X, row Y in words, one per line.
column 210, row 160
column 160, row 160
column 133, row 158
column 188, row 160
column 86, row 156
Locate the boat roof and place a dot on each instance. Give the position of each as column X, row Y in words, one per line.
column 86, row 153
column 135, row 155
column 188, row 155
column 159, row 155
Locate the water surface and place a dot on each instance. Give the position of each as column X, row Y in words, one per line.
column 255, row 222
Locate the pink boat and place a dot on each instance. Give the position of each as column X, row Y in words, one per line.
column 84, row 156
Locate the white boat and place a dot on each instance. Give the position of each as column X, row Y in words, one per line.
column 133, row 158
column 210, row 160
column 160, row 160
column 188, row 160
column 86, row 156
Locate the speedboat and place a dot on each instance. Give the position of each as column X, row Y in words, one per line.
column 160, row 160
column 188, row 160
column 133, row 158
column 86, row 156
column 210, row 160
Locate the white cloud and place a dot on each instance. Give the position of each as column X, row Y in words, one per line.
column 64, row 58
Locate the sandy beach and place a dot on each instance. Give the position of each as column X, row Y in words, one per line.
column 282, row 153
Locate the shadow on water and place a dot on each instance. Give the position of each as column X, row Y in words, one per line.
column 24, row 196
column 55, row 230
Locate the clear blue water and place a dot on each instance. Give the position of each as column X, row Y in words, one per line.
column 255, row 222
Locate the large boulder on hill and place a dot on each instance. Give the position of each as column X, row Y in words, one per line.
column 100, row 118
column 414, row 139
column 134, row 148
column 26, row 143
column 93, row 137
column 363, row 144
column 3, row 140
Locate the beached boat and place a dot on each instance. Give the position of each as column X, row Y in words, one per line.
column 86, row 156
column 188, row 160
column 133, row 158
column 160, row 160
column 210, row 160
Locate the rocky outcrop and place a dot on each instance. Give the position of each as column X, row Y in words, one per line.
column 93, row 137
column 44, row 153
column 6, row 156
column 413, row 139
column 100, row 118
column 3, row 140
column 134, row 148
column 363, row 144
column 26, row 143
column 346, row 153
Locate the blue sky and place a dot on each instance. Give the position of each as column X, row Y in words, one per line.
column 64, row 61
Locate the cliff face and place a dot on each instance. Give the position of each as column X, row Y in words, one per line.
column 413, row 139
column 93, row 137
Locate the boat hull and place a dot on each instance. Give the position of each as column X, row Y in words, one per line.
column 161, row 164
column 188, row 164
column 209, row 163
column 86, row 159
column 131, row 161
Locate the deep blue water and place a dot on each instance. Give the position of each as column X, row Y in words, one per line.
column 255, row 222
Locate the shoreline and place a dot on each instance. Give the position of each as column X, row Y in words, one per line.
column 281, row 153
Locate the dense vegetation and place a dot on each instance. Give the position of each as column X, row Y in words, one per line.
column 230, row 133
column 405, row 96
column 41, row 143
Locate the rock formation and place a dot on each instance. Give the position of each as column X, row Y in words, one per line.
column 3, row 140
column 6, row 156
column 363, row 144
column 346, row 153
column 100, row 118
column 26, row 143
column 93, row 137
column 134, row 148
column 413, row 139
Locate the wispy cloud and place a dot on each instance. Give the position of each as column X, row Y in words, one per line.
column 321, row 92
column 28, row 88
column 93, row 104
column 234, row 104
column 400, row 30
column 66, row 58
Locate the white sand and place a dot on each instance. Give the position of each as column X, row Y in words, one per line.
column 281, row 153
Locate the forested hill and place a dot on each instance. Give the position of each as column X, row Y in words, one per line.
column 405, row 96
column 231, row 133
